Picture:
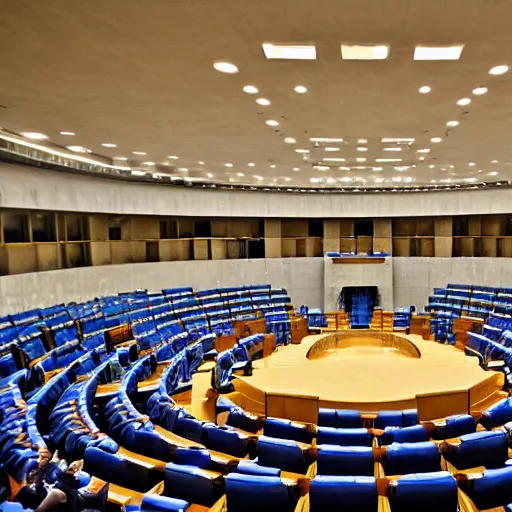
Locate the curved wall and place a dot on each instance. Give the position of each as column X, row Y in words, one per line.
column 32, row 188
column 412, row 281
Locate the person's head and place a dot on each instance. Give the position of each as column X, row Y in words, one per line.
column 44, row 456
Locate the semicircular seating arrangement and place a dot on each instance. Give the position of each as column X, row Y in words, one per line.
column 110, row 382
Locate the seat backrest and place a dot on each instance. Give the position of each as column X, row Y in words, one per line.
column 345, row 460
column 344, row 436
column 157, row 503
column 286, row 429
column 424, row 492
column 405, row 458
column 491, row 490
column 498, row 414
column 283, row 454
column 357, row 494
column 250, row 493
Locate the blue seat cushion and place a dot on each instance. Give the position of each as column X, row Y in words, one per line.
column 345, row 460
column 415, row 434
column 493, row 490
column 157, row 503
column 405, row 458
column 285, row 429
column 344, row 436
column 455, row 426
column 283, row 454
column 498, row 414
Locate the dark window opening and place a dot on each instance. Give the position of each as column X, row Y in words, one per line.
column 15, row 227
column 114, row 233
column 460, row 226
column 316, row 227
column 202, row 229
column 363, row 227
column 43, row 227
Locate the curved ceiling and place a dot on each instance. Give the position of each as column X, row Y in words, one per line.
column 140, row 76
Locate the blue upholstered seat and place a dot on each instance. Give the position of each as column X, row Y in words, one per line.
column 344, row 436
column 404, row 458
column 157, row 503
column 492, row 489
column 250, row 493
column 415, row 434
column 498, row 414
column 283, row 454
column 454, row 426
column 286, row 429
column 489, row 449
column 248, row 467
column 343, row 493
column 345, row 460
column 425, row 492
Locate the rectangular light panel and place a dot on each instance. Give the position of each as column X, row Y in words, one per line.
column 438, row 52
column 398, row 140
column 364, row 51
column 289, row 51
column 333, row 159
column 325, row 139
column 384, row 160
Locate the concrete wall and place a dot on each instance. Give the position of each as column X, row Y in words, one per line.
column 32, row 188
column 413, row 279
column 303, row 278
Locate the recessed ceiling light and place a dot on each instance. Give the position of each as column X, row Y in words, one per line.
column 425, row 89
column 182, row 169
column 142, row 153
column 200, row 162
column 452, row 124
column 77, row 149
column 302, row 151
column 271, row 122
column 362, row 149
column 435, row 140
column 398, row 140
column 120, row 158
column 289, row 51
column 231, row 180
column 479, row 91
column 109, row 145
column 493, row 173
column 209, row 175
column 498, row 70
column 300, row 89
column 273, row 166
column 463, row 102
column 251, row 164
column 377, row 169
column 326, row 139
column 360, row 159
column 290, row 140
column 67, row 133
column 331, row 149
column 333, row 159
column 438, row 52
column 392, row 149
column 148, row 163
column 385, row 160
column 364, row 52
column 421, row 158
column 431, row 166
column 378, row 180
column 228, row 165
column 362, row 141
column 321, row 167
column 250, row 89
column 471, row 164
column 34, row 135
column 259, row 178
column 240, row 174
column 225, row 67
column 470, row 180
column 346, row 179
column 173, row 157
column 494, row 161
column 263, row 101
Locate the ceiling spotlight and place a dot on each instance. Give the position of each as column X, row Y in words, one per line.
column 259, row 178
column 251, row 164
column 173, row 157
column 290, row 140
column 495, row 162
column 273, row 166
column 438, row 52
column 182, row 169
column 225, row 67
column 431, row 166
column 493, row 173
column 263, row 101
column 296, row 169
column 331, row 149
column 200, row 162
column 452, row 124
column 250, row 89
column 289, row 51
column 471, row 164
column 67, row 133
column 300, row 89
column 231, row 180
column 479, row 91
column 302, row 151
column 435, row 140
column 123, row 158
column 148, row 163
column 271, row 122
column 362, row 141
column 228, row 165
column 463, row 102
column 362, row 149
column 424, row 89
column 142, row 153
column 321, row 167
column 77, row 149
column 109, row 145
column 360, row 159
column 240, row 174
column 209, row 175
column 470, row 180
column 498, row 70
column 421, row 158
column 34, row 135
column 392, row 149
